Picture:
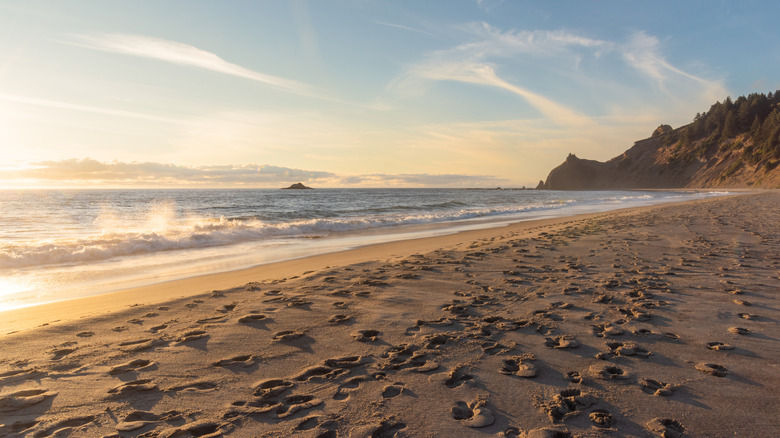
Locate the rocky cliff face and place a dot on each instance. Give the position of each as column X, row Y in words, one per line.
column 665, row 161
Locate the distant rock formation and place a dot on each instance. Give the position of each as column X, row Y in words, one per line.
column 663, row 129
column 716, row 150
column 297, row 186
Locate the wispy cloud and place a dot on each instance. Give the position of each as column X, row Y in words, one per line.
column 643, row 52
column 495, row 42
column 484, row 74
column 474, row 63
column 401, row 26
column 85, row 108
column 182, row 54
column 77, row 172
column 580, row 64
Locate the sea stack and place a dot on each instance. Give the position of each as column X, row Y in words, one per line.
column 297, row 186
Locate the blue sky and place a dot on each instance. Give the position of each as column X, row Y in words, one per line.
column 357, row 93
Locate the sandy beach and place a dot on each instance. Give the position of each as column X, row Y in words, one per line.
column 655, row 321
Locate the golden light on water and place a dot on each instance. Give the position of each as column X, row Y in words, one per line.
column 9, row 287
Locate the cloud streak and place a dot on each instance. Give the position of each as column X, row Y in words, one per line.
column 84, row 108
column 577, row 62
column 473, row 63
column 181, row 54
column 643, row 53
column 485, row 74
column 75, row 172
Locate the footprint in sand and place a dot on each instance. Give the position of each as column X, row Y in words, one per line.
column 348, row 386
column 227, row 307
column 339, row 319
column 561, row 342
column 196, row 428
column 739, row 330
column 627, row 349
column 287, row 335
column 518, row 366
column 141, row 385
column 295, row 403
column 22, row 399
column 457, row 377
column 493, row 348
column 212, row 319
column 711, row 368
column 474, row 414
column 325, row 425
column 547, row 432
column 346, row 361
column 194, row 387
column 270, row 388
column 393, row 390
column 719, row 346
column 254, row 318
column 246, row 360
column 193, row 335
column 138, row 419
column 666, row 428
column 608, row 372
column 139, row 345
column 656, row 387
column 601, row 418
column 319, row 372
column 59, row 353
column 134, row 365
column 603, row 330
column 254, row 407
column 298, row 302
column 566, row 403
column 157, row 328
column 388, row 428
column 67, row 427
column 574, row 377
column 368, row 335
column 85, row 334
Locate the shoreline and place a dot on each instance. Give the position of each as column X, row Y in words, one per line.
column 24, row 318
column 649, row 321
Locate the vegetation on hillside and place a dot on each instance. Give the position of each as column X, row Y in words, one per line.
column 749, row 124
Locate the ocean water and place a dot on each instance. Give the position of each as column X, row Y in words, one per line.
column 62, row 244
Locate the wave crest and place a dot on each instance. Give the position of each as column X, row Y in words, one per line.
column 204, row 233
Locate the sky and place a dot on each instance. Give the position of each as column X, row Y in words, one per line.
column 358, row 93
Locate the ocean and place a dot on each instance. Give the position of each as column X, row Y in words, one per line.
column 63, row 244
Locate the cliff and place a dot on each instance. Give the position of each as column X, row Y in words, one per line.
column 719, row 149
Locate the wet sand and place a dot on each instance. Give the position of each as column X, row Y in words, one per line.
column 658, row 321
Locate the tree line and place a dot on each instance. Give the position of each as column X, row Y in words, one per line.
column 751, row 122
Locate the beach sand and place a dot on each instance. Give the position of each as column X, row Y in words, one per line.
column 657, row 321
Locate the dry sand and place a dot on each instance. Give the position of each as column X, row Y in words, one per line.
column 658, row 321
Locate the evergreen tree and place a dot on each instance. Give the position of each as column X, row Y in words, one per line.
column 729, row 126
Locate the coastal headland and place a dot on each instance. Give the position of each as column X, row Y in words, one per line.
column 652, row 321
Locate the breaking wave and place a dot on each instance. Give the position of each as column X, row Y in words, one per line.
column 203, row 233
